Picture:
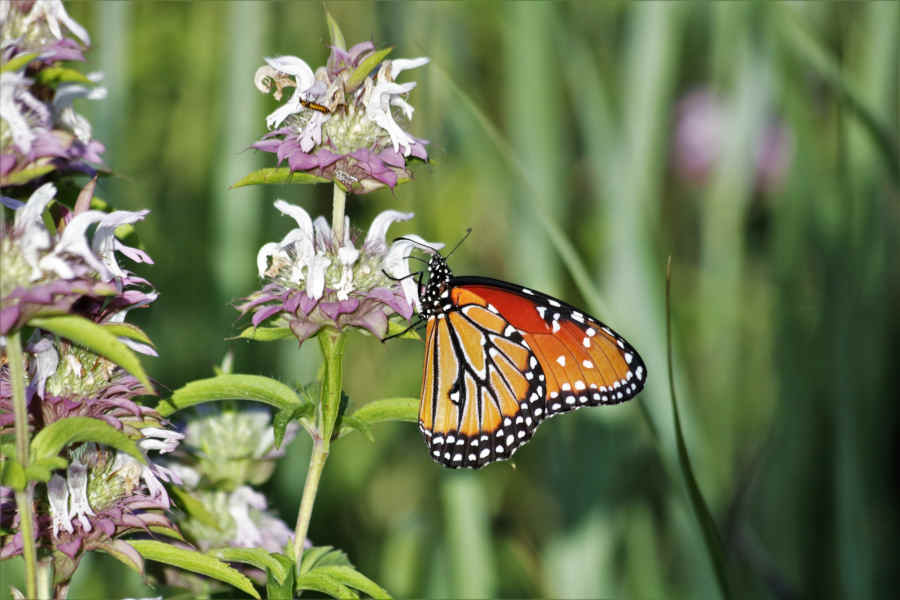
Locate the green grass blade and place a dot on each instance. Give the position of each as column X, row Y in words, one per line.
column 810, row 51
column 701, row 510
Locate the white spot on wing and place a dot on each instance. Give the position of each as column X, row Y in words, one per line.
column 561, row 359
column 553, row 303
column 587, row 364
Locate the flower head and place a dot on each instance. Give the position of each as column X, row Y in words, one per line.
column 102, row 495
column 40, row 125
column 47, row 271
column 315, row 280
column 223, row 451
column 232, row 448
column 342, row 122
column 39, row 26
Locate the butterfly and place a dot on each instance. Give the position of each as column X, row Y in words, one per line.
column 501, row 358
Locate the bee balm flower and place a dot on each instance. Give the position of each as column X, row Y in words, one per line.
column 315, row 280
column 342, row 123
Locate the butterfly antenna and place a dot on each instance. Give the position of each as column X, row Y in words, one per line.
column 459, row 243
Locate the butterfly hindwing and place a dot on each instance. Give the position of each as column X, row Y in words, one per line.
column 482, row 395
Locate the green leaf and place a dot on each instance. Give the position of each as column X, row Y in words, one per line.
column 53, row 438
column 320, row 556
column 365, row 67
column 379, row 411
column 259, row 558
column 124, row 553
column 13, row 475
column 53, row 76
column 266, row 334
column 97, row 339
column 321, row 582
column 231, row 387
column 352, row 423
column 159, row 529
column 194, row 508
column 18, row 62
column 334, row 32
column 278, row 175
column 701, row 510
column 42, row 470
column 283, row 589
column 27, row 174
column 283, row 417
column 194, row 561
column 353, row 578
column 402, row 331
column 127, row 330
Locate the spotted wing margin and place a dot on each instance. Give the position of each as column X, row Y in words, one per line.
column 586, row 363
column 482, row 391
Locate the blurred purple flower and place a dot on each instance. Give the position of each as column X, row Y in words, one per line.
column 316, row 281
column 339, row 123
column 40, row 126
column 48, row 272
column 701, row 127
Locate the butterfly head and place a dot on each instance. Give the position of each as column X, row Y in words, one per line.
column 435, row 293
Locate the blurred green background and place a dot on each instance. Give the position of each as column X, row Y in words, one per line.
column 755, row 143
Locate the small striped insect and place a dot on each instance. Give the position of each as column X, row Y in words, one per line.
column 315, row 106
column 500, row 358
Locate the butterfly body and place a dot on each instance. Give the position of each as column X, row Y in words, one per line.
column 501, row 358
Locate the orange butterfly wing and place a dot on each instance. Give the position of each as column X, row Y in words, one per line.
column 505, row 358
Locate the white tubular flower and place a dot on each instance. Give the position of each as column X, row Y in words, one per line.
column 161, row 440
column 29, row 220
column 304, row 78
column 58, row 494
column 396, row 265
column 239, row 504
column 74, row 242
column 315, row 280
column 77, row 483
column 54, row 13
column 16, row 105
column 46, row 361
column 378, row 109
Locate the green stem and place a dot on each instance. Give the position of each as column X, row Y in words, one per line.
column 45, row 579
column 313, row 474
column 24, row 497
column 331, row 342
column 339, row 199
